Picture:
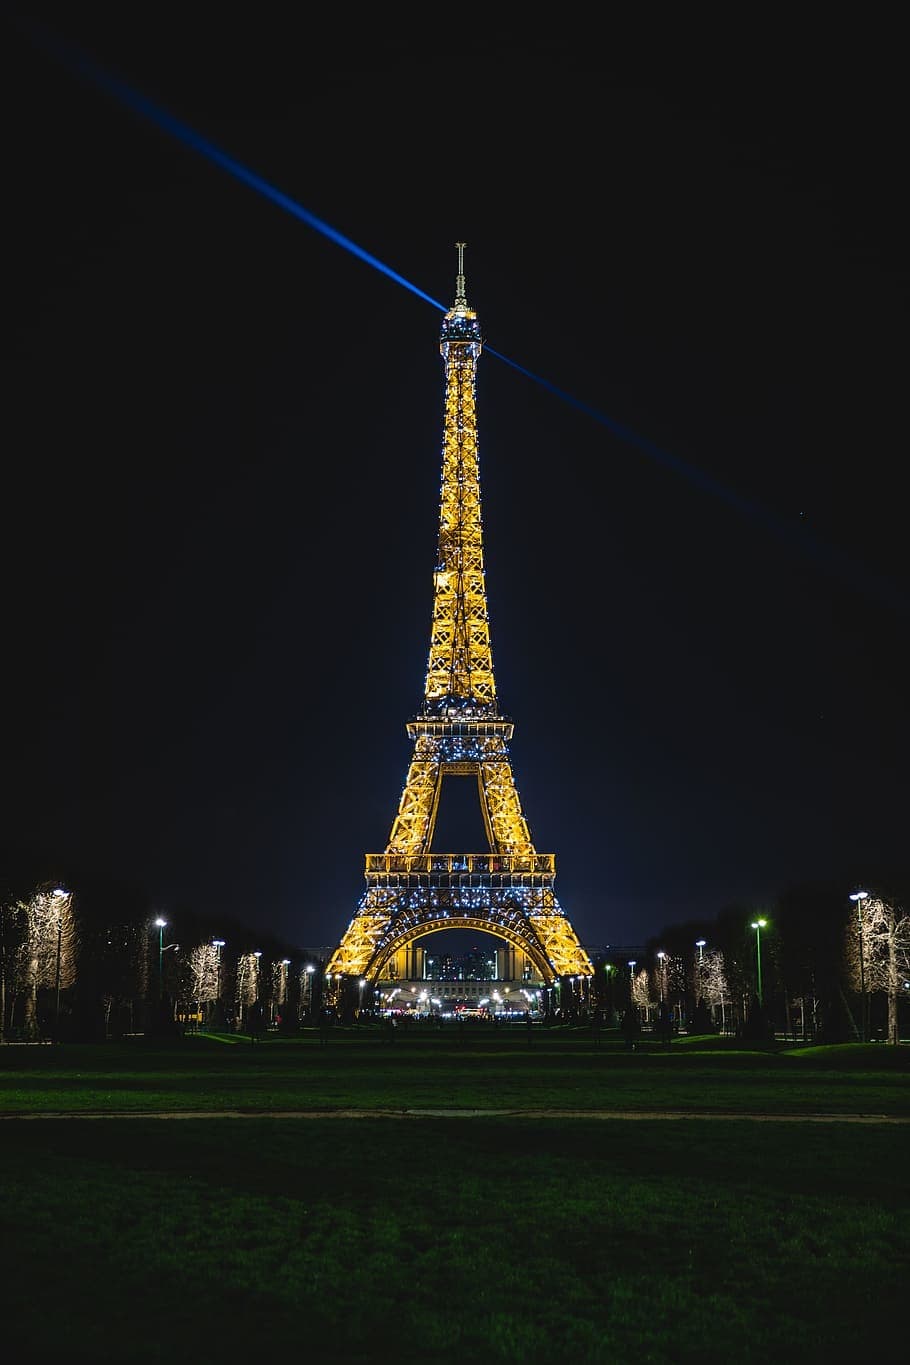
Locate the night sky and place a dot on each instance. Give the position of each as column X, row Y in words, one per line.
column 223, row 447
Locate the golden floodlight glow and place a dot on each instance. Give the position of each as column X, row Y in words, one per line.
column 507, row 890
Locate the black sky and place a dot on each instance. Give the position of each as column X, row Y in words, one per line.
column 223, row 437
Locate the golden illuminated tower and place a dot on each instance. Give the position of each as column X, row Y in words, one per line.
column 508, row 890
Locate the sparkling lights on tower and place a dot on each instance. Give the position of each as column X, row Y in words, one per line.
column 507, row 890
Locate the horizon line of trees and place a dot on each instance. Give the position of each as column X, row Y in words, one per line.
column 87, row 959
column 95, row 959
column 818, row 963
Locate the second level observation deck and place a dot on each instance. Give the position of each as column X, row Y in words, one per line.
column 458, row 726
column 460, row 869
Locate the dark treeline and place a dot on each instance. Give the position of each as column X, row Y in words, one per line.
column 86, row 957
column 83, row 956
column 816, row 964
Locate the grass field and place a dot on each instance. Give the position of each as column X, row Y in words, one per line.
column 482, row 1238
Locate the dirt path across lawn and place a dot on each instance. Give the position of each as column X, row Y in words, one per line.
column 600, row 1114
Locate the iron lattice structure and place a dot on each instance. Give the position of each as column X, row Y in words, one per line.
column 508, row 890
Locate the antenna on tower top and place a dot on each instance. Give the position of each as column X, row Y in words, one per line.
column 459, row 283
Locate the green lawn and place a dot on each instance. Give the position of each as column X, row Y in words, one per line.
column 455, row 1239
column 559, row 1070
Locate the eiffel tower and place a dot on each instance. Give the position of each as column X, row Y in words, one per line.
column 508, row 890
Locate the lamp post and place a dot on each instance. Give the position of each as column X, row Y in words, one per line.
column 699, row 971
column 859, row 897
column 218, row 944
column 60, row 895
column 216, row 1012
column 758, row 925
column 161, row 925
column 661, row 973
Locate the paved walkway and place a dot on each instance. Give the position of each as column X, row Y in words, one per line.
column 600, row 1114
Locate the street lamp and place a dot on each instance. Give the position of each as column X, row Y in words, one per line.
column 758, row 925
column 216, row 1012
column 161, row 926
column 699, row 970
column 218, row 944
column 859, row 897
column 661, row 971
column 60, row 894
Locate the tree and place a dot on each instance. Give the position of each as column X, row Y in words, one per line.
column 886, row 954
column 641, row 993
column 713, row 984
column 247, row 985
column 38, row 949
column 202, row 963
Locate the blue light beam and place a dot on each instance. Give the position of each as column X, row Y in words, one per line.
column 82, row 65
column 800, row 539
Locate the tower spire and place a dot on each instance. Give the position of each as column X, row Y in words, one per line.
column 460, row 297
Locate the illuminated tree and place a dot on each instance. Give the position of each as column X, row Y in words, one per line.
column 713, row 983
column 886, row 954
column 279, row 982
column 39, row 941
column 247, row 983
column 641, row 992
column 202, row 965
